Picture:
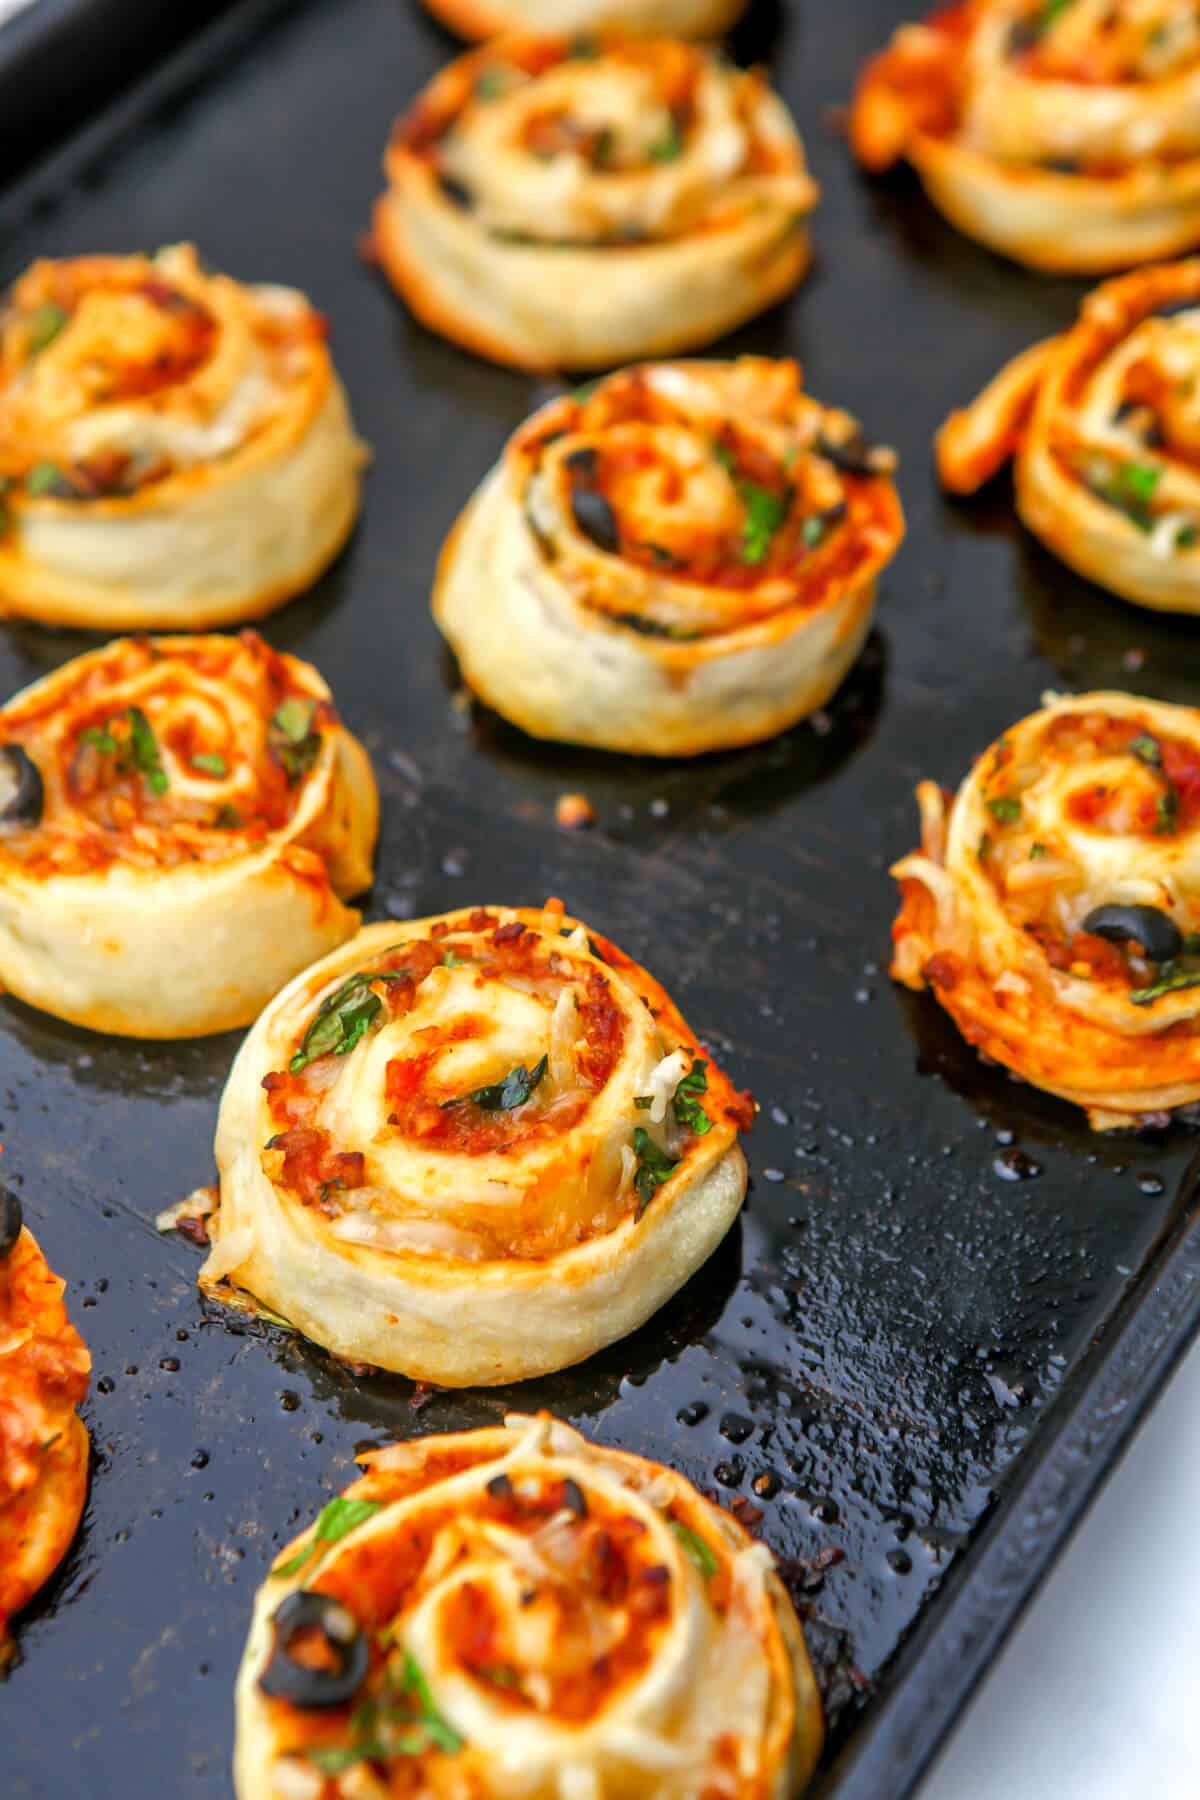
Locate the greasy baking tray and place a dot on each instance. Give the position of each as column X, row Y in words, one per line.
column 946, row 1304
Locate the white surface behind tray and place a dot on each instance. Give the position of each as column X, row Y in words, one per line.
column 1097, row 1694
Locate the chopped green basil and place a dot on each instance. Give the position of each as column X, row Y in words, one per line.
column 490, row 84
column 670, row 145
column 292, row 737
column 765, row 513
column 44, row 325
column 1167, row 984
column 103, row 741
column 1006, row 808
column 228, row 819
column 696, row 1549
column 1165, row 812
column 1146, row 749
column 813, row 530
column 688, row 1110
column 343, row 1018
column 334, row 1522
column 143, row 748
column 43, row 478
column 654, row 1167
column 504, row 1096
column 1036, row 851
column 209, row 763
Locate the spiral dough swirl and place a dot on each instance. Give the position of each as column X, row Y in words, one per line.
column 1066, row 136
column 556, row 205
column 542, row 1618
column 1054, row 906
column 683, row 559
column 473, row 1149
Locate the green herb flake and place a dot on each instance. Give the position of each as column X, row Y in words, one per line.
column 44, row 478
column 669, row 146
column 100, row 739
column 688, row 1111
column 1186, row 537
column 44, row 325
column 1168, row 984
column 334, row 1522
column 1166, row 812
column 654, row 1167
column 343, row 1018
column 292, row 737
column 209, row 763
column 452, row 960
column 491, row 84
column 765, row 513
column 1147, row 750
column 506, row 1095
column 812, row 531
column 696, row 1550
column 1006, row 808
column 228, row 819
column 144, row 751
column 1036, row 852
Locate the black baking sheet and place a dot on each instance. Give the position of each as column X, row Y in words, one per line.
column 903, row 1355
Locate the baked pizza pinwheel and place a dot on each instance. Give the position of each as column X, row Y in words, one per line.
column 472, row 1149
column 1062, row 133
column 44, row 1368
column 518, row 1612
column 681, row 560
column 176, row 450
column 1054, row 905
column 1103, row 426
column 672, row 18
column 180, row 821
column 553, row 204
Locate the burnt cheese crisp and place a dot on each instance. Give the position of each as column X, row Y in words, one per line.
column 1102, row 424
column 680, row 559
column 516, row 1611
column 472, row 1149
column 1054, row 904
column 181, row 822
column 1063, row 133
column 558, row 203
column 175, row 448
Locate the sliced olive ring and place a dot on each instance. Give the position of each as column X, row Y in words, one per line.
column 596, row 519
column 1158, row 936
column 299, row 1683
column 855, row 456
column 21, row 792
column 11, row 1220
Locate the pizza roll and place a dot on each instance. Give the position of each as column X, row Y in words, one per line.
column 1054, row 905
column 180, row 821
column 1064, row 134
column 1103, row 426
column 552, row 205
column 472, row 1149
column 175, row 449
column 670, row 18
column 478, row 19
column 44, row 1368
column 517, row 1612
column 681, row 560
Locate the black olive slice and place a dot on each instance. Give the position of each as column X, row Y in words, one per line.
column 1171, row 307
column 1023, row 35
column 21, row 792
column 457, row 192
column 581, row 462
column 296, row 1682
column 10, row 1221
column 596, row 519
column 855, row 456
column 1159, row 936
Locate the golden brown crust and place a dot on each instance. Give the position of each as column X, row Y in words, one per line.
column 1064, row 138
column 200, row 817
column 477, row 20
column 1092, row 803
column 1103, row 424
column 44, row 1368
column 517, row 226
column 683, row 560
column 385, row 1197
column 480, row 1568
column 175, row 447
